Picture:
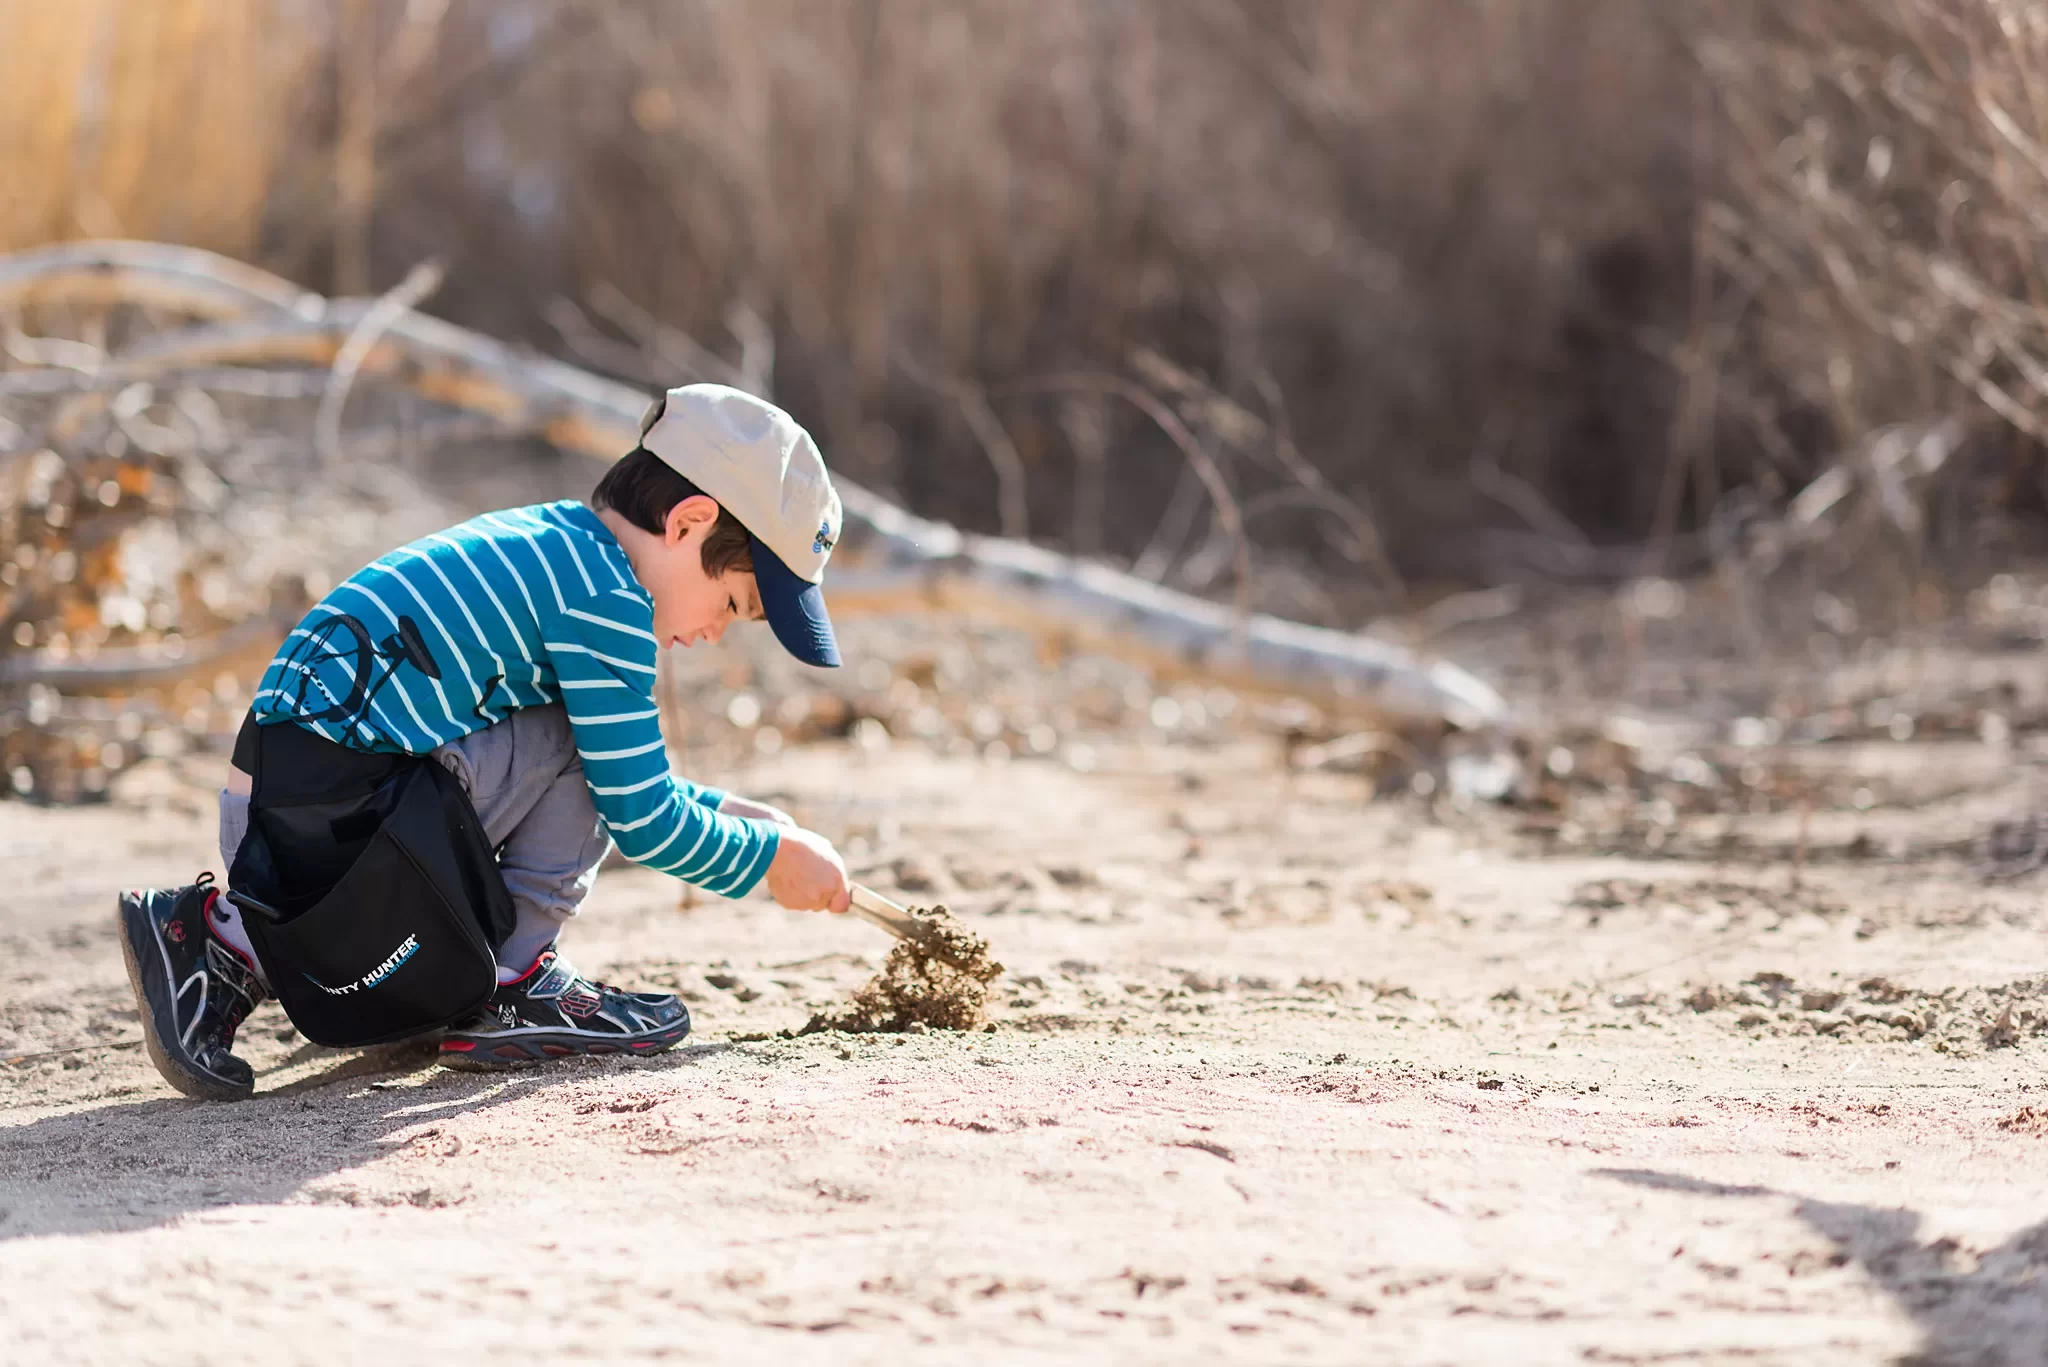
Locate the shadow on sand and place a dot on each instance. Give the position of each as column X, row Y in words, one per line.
column 1986, row 1311
column 138, row 1164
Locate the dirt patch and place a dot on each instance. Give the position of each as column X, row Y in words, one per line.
column 1825, row 1156
column 1957, row 1021
column 2027, row 1120
column 1711, row 900
column 937, row 980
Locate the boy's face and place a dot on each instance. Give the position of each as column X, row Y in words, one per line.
column 690, row 605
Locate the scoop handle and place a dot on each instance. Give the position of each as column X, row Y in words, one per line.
column 883, row 912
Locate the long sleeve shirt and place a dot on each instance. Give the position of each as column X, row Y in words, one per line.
column 514, row 609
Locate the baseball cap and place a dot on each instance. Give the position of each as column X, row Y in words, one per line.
column 761, row 465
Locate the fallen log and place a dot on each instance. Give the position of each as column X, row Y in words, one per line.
column 177, row 280
column 893, row 557
column 911, row 560
column 134, row 666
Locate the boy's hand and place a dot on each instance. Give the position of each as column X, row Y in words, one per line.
column 807, row 873
column 751, row 810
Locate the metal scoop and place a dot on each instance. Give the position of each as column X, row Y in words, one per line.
column 874, row 907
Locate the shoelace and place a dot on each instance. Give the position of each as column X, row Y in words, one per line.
column 577, row 975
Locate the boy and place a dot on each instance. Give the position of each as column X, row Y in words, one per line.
column 518, row 650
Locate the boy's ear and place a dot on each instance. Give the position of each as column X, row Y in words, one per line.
column 698, row 510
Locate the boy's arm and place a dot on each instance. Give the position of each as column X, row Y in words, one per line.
column 605, row 664
column 705, row 794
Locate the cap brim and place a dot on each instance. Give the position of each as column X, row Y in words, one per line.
column 795, row 609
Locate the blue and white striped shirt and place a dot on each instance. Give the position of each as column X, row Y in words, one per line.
column 514, row 609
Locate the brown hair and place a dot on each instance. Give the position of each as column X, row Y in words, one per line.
column 644, row 489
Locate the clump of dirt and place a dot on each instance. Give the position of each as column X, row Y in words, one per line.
column 936, row 980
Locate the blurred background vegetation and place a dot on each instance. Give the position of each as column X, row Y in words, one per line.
column 1454, row 291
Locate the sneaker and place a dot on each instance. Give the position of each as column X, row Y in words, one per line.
column 193, row 990
column 555, row 1011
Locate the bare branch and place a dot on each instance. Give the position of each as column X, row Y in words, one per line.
column 1011, row 495
column 675, row 348
column 421, row 281
column 1227, row 511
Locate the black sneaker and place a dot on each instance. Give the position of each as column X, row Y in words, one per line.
column 555, row 1011
column 191, row 988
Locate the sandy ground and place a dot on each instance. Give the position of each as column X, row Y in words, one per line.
column 1279, row 1074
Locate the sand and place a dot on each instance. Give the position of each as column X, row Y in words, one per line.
column 1279, row 1074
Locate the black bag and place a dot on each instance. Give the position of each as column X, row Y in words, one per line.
column 373, row 896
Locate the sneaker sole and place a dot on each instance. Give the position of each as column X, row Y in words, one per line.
column 493, row 1053
column 156, row 996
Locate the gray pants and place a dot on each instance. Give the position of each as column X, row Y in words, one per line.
column 526, row 781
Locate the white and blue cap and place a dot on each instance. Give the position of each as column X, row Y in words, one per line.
column 761, row 465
